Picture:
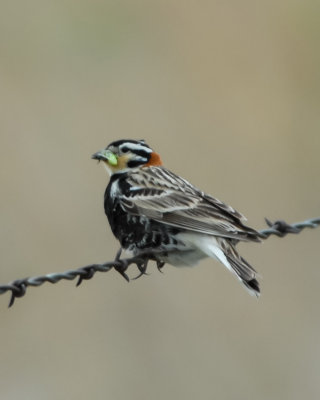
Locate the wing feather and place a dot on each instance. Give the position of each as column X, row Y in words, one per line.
column 165, row 197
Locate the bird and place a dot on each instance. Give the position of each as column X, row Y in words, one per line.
column 155, row 212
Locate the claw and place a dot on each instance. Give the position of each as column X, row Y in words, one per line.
column 142, row 268
column 121, row 269
column 122, row 266
column 160, row 265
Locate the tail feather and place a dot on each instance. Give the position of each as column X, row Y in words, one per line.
column 224, row 251
column 245, row 273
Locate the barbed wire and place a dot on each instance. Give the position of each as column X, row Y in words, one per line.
column 281, row 228
column 19, row 287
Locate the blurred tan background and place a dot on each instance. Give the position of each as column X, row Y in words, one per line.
column 228, row 93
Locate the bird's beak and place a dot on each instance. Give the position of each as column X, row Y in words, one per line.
column 105, row 155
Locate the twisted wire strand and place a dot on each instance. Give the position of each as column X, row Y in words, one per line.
column 19, row 287
column 281, row 228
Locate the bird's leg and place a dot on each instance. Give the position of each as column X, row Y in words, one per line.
column 118, row 255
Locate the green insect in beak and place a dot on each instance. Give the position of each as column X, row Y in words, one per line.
column 111, row 157
column 106, row 155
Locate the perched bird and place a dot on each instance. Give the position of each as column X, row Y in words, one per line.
column 153, row 211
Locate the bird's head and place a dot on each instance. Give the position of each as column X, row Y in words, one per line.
column 124, row 155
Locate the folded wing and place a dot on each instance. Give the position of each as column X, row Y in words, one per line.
column 163, row 196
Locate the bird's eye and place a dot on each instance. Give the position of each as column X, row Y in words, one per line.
column 125, row 149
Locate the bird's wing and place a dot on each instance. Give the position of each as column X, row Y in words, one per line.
column 165, row 197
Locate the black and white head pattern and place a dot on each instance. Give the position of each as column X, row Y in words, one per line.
column 137, row 151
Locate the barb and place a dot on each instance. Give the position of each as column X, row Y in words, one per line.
column 281, row 228
column 19, row 287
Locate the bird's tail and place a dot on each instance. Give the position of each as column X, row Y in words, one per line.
column 224, row 250
column 245, row 273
